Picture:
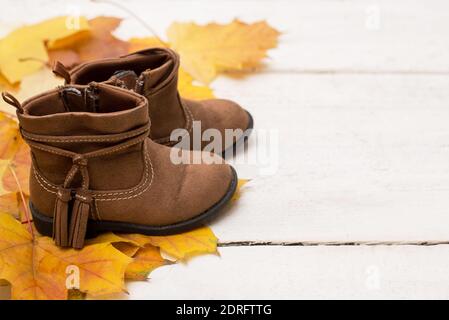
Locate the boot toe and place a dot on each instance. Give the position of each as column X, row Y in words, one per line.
column 228, row 114
column 205, row 187
column 222, row 115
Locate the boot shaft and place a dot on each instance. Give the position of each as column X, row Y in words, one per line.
column 82, row 119
column 152, row 73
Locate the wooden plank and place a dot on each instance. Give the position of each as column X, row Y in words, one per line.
column 361, row 158
column 319, row 35
column 322, row 272
column 304, row 273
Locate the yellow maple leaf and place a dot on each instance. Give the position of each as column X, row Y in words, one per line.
column 23, row 51
column 15, row 161
column 180, row 246
column 4, row 167
column 12, row 203
column 37, row 269
column 145, row 260
column 17, row 177
column 75, row 29
column 9, row 133
column 145, row 257
column 207, row 50
column 188, row 89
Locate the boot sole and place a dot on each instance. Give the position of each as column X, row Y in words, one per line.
column 236, row 144
column 44, row 224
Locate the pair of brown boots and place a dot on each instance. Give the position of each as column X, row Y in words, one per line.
column 99, row 166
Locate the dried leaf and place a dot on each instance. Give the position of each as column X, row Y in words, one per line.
column 145, row 257
column 23, row 51
column 4, row 167
column 12, row 203
column 36, row 268
column 16, row 178
column 180, row 246
column 68, row 57
column 101, row 43
column 144, row 262
column 207, row 50
column 9, row 133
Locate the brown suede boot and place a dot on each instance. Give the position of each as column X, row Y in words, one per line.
column 154, row 74
column 95, row 169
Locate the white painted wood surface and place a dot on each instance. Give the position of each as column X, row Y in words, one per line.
column 305, row 273
column 362, row 113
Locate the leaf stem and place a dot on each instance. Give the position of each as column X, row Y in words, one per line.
column 27, row 213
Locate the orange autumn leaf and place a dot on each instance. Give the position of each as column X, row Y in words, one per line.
column 68, row 57
column 16, row 178
column 12, row 203
column 37, row 269
column 9, row 203
column 100, row 43
column 213, row 48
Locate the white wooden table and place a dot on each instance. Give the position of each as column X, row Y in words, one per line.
column 359, row 206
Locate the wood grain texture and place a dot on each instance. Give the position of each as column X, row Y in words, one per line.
column 305, row 273
column 361, row 157
column 361, row 111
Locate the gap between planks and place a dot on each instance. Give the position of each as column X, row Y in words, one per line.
column 329, row 243
column 348, row 72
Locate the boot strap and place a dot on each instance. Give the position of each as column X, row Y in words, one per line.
column 70, row 231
